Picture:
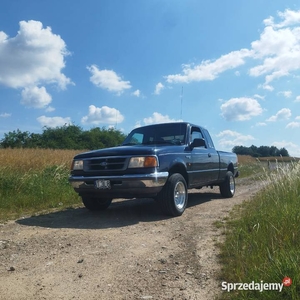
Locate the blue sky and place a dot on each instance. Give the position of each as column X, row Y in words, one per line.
column 231, row 66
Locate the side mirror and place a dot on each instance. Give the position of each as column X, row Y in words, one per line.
column 198, row 143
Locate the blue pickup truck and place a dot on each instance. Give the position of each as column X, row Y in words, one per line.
column 160, row 161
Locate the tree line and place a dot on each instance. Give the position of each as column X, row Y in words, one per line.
column 262, row 151
column 74, row 137
column 64, row 137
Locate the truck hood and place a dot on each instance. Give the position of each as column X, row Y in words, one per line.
column 128, row 150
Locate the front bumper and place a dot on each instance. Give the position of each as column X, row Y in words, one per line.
column 124, row 186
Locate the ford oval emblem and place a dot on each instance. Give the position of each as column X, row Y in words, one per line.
column 103, row 164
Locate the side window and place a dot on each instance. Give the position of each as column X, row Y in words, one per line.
column 196, row 134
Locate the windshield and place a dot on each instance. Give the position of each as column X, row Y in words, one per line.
column 172, row 133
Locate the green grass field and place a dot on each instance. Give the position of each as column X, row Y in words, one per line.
column 262, row 238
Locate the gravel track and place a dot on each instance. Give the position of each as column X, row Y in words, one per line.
column 130, row 251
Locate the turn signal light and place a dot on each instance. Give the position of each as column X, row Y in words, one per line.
column 150, row 161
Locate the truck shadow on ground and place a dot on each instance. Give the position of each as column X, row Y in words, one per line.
column 121, row 213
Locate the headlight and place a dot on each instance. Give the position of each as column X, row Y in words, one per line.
column 143, row 162
column 77, row 165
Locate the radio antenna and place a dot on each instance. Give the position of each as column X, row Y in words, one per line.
column 181, row 97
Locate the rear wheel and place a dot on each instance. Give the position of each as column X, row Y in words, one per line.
column 173, row 198
column 227, row 188
column 93, row 203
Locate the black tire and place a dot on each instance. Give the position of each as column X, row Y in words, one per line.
column 174, row 196
column 227, row 188
column 94, row 204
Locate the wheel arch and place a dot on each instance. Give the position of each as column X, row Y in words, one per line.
column 230, row 167
column 180, row 168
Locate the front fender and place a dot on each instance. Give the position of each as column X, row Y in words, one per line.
column 180, row 166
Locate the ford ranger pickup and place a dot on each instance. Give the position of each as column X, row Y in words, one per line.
column 160, row 161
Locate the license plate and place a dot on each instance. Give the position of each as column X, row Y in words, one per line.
column 102, row 184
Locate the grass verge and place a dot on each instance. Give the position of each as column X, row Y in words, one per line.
column 249, row 166
column 34, row 180
column 262, row 241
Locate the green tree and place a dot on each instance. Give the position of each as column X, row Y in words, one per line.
column 15, row 139
column 97, row 138
column 262, row 151
column 242, row 150
column 92, row 139
column 64, row 137
column 283, row 152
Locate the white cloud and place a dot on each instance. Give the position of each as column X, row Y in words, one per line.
column 35, row 97
column 278, row 48
column 260, row 124
column 266, row 87
column 293, row 125
column 108, row 80
column 259, row 97
column 158, row 88
column 229, row 138
column 50, row 109
column 104, row 114
column 289, row 17
column 282, row 114
column 297, row 99
column 297, row 118
column 272, row 43
column 240, row 109
column 34, row 56
column 54, row 121
column 210, row 70
column 276, row 54
column 293, row 149
column 286, row 94
column 158, row 118
column 5, row 115
column 137, row 124
column 137, row 93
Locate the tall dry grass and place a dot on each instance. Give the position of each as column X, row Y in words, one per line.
column 23, row 160
column 263, row 238
column 255, row 167
column 249, row 166
column 32, row 180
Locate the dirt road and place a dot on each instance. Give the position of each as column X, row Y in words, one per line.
column 130, row 251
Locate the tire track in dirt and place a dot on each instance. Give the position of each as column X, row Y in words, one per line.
column 130, row 251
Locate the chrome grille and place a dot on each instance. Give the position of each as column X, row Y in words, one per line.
column 106, row 163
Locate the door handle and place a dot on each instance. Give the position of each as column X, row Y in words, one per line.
column 209, row 155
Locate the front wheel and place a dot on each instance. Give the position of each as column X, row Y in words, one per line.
column 174, row 196
column 227, row 188
column 94, row 204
